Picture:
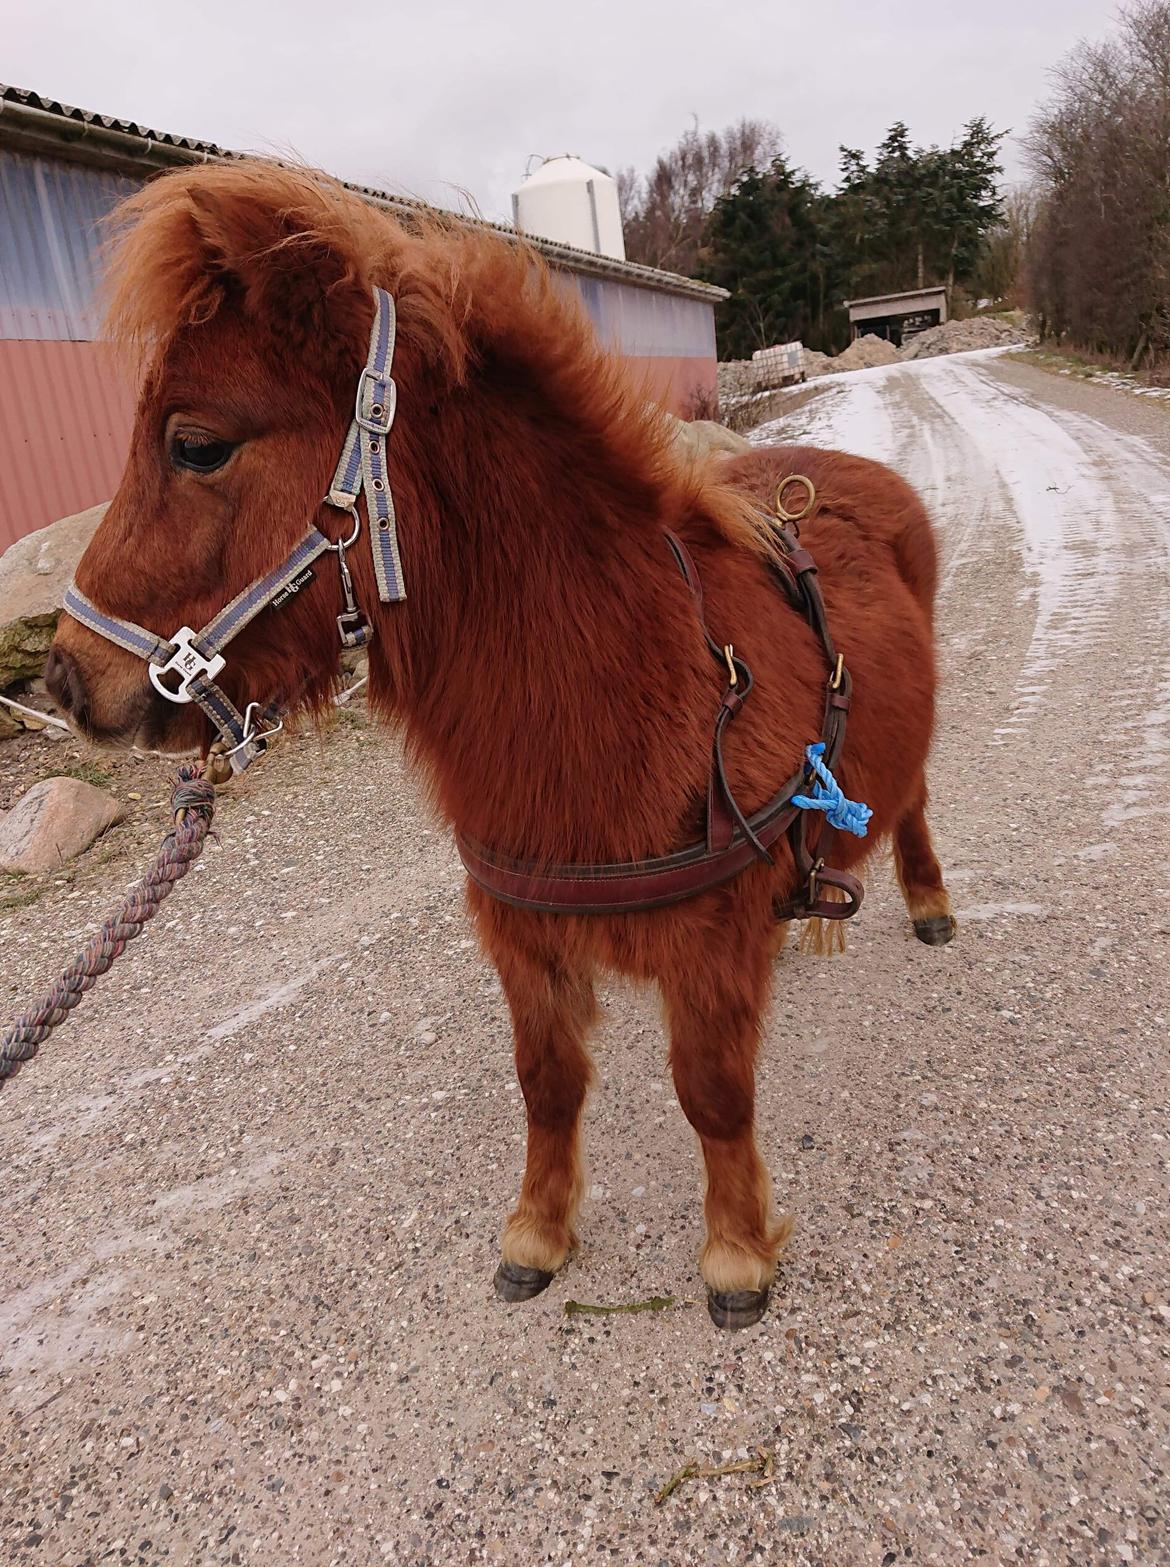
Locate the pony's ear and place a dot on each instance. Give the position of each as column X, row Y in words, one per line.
column 289, row 264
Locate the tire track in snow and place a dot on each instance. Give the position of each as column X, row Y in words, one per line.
column 1084, row 507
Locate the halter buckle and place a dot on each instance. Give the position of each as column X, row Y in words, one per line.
column 253, row 734
column 387, row 403
column 352, row 626
column 188, row 663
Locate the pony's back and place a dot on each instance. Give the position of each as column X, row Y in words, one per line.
column 893, row 514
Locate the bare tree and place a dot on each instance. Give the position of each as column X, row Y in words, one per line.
column 664, row 214
column 1098, row 258
column 1001, row 272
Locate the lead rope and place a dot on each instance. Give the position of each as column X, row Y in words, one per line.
column 192, row 804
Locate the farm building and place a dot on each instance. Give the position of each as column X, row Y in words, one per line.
column 897, row 317
column 62, row 170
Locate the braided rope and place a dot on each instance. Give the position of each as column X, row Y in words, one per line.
column 848, row 815
column 193, row 803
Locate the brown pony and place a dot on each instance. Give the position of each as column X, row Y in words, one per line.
column 547, row 666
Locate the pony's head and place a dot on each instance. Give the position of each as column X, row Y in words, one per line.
column 246, row 292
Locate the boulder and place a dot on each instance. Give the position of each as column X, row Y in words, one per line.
column 34, row 573
column 55, row 820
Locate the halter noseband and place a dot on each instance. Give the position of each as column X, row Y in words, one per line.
column 184, row 668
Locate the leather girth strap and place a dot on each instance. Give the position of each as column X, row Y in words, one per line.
column 733, row 840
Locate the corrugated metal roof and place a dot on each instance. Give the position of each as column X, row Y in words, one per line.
column 33, row 113
column 67, row 111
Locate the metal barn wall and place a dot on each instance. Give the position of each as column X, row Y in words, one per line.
column 65, row 419
column 65, row 411
column 51, row 215
column 66, row 414
column 667, row 340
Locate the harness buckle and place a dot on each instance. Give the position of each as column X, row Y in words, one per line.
column 382, row 407
column 253, row 734
column 188, row 663
column 352, row 626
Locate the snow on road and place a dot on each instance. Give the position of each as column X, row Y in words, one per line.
column 1085, row 505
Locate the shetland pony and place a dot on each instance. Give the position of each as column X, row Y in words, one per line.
column 547, row 666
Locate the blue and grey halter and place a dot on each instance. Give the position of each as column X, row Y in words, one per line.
column 184, row 668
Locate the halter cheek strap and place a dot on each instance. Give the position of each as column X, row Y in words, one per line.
column 363, row 457
column 184, row 668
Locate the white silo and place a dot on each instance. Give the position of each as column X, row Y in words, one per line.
column 567, row 200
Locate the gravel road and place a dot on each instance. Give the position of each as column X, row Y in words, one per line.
column 253, row 1191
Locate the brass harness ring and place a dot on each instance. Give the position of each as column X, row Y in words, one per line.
column 810, row 501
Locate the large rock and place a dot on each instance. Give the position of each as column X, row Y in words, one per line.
column 56, row 819
column 34, row 573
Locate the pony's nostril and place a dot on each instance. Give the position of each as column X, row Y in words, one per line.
column 64, row 682
column 57, row 678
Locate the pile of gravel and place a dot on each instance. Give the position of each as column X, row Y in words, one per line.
column 866, row 353
column 816, row 363
column 957, row 337
column 737, row 378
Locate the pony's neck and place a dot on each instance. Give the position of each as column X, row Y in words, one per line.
column 548, row 652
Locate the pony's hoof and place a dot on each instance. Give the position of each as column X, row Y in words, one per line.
column 937, row 930
column 514, row 1282
column 736, row 1308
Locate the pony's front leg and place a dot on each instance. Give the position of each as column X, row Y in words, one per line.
column 552, row 1010
column 714, row 1016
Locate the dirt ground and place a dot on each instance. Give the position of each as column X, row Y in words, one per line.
column 253, row 1190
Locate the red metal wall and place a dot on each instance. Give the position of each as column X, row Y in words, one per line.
column 685, row 386
column 66, row 414
column 65, row 418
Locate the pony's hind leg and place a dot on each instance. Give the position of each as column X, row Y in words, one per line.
column 552, row 1010
column 714, row 1019
column 920, row 876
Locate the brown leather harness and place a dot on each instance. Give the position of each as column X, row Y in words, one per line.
column 733, row 841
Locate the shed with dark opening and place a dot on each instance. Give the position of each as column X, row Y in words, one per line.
column 897, row 317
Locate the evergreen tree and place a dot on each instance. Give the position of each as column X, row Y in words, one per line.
column 788, row 252
column 764, row 243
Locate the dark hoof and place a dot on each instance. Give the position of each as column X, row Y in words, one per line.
column 937, row 930
column 515, row 1282
column 736, row 1308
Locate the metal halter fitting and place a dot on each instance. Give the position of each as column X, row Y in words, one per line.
column 184, row 668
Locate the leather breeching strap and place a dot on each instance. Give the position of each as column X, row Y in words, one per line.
column 733, row 840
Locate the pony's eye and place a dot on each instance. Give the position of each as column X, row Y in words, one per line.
column 200, row 453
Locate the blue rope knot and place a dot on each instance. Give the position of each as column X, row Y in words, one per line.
column 828, row 796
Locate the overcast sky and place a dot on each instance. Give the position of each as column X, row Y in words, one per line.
column 435, row 97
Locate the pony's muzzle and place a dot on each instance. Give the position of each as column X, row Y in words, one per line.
column 105, row 694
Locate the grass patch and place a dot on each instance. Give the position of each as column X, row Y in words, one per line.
column 87, row 772
column 17, row 893
column 1059, row 364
